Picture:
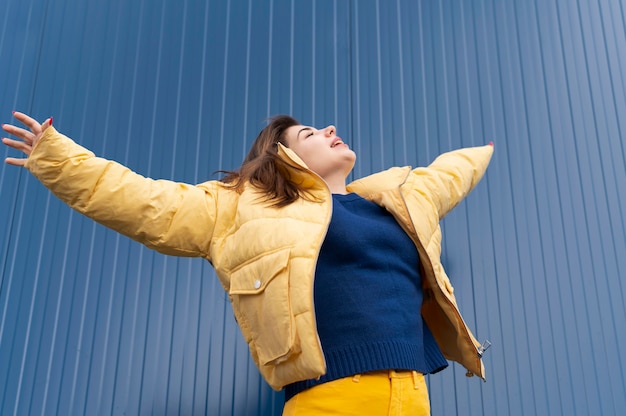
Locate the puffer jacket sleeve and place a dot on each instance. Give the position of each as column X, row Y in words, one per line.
column 172, row 218
column 452, row 175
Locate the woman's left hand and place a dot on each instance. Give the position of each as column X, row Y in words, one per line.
column 29, row 137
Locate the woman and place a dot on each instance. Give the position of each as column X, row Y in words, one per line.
column 327, row 280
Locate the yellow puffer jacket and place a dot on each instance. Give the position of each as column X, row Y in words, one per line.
column 265, row 257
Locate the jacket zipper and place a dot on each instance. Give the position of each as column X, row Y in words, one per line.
column 420, row 248
column 329, row 211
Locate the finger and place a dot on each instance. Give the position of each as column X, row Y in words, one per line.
column 14, row 161
column 19, row 132
column 28, row 121
column 46, row 124
column 18, row 145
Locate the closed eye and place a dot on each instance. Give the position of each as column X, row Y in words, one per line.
column 306, row 129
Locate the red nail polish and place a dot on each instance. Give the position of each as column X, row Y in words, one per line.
column 491, row 144
column 13, row 112
column 50, row 120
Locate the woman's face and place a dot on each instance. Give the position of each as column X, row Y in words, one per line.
column 322, row 150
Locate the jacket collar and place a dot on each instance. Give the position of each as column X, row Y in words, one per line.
column 306, row 178
column 366, row 187
column 380, row 182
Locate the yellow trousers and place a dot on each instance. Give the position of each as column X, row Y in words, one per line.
column 389, row 393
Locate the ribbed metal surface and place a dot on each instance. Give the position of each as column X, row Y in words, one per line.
column 92, row 323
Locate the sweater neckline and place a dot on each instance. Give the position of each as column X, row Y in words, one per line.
column 346, row 197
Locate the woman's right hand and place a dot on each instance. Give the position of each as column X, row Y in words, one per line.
column 29, row 137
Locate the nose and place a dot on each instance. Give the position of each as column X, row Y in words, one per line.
column 330, row 130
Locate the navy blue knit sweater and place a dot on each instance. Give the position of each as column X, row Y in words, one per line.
column 368, row 295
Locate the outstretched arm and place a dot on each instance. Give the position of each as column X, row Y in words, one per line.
column 173, row 218
column 452, row 175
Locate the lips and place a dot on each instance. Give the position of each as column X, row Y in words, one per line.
column 336, row 142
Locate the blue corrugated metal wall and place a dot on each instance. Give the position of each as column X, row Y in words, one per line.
column 91, row 323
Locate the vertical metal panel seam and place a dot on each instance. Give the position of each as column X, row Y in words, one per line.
column 483, row 109
column 456, row 90
column 12, row 267
column 31, row 309
column 221, row 153
column 335, row 65
column 39, row 51
column 466, row 59
column 470, row 118
column 57, row 313
column 149, row 384
column 351, row 66
column 621, row 9
column 489, row 84
column 291, row 53
column 114, row 281
column 185, row 321
column 118, row 356
column 619, row 219
column 81, row 324
column 157, row 80
column 433, row 109
column 20, row 175
column 181, row 60
column 334, row 60
column 107, row 326
column 91, row 356
column 423, row 72
column 621, row 209
column 571, row 118
column 550, row 118
column 527, row 123
column 595, row 130
column 3, row 31
column 604, row 157
column 131, row 347
column 506, row 128
column 199, row 137
column 518, row 334
column 269, row 61
column 181, row 64
column 527, row 128
column 444, row 76
column 224, row 83
column 243, row 150
column 379, row 71
column 314, row 61
column 201, row 92
column 357, row 78
column 5, row 253
column 83, row 124
column 401, row 73
column 227, row 306
column 160, row 302
column 602, row 149
column 246, row 101
column 245, row 135
column 462, row 141
column 612, row 83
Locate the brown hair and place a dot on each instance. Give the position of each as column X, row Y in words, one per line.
column 264, row 169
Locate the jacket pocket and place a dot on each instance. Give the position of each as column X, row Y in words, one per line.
column 259, row 291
